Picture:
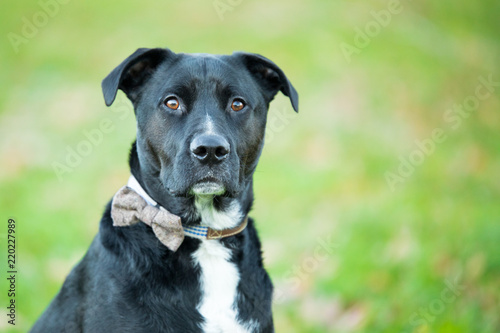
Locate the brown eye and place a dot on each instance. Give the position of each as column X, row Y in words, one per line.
column 237, row 105
column 172, row 103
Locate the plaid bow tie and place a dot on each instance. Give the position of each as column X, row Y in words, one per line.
column 129, row 208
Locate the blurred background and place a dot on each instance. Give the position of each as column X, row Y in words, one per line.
column 377, row 204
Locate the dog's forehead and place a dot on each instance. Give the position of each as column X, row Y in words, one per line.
column 204, row 65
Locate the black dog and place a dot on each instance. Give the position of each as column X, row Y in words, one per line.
column 200, row 131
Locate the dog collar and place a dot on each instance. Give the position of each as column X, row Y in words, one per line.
column 201, row 231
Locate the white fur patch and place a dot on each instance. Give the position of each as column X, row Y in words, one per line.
column 219, row 281
column 209, row 125
column 208, row 188
column 216, row 219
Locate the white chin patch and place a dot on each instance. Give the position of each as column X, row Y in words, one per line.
column 216, row 219
column 208, row 188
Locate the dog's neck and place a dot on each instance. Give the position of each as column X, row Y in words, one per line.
column 218, row 212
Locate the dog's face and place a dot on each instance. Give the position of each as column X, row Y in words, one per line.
column 200, row 118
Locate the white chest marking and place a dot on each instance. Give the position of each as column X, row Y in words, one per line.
column 219, row 281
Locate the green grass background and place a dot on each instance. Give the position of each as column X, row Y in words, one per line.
column 322, row 174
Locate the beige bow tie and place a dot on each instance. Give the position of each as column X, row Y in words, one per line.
column 129, row 208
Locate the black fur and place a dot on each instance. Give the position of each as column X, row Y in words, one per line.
column 128, row 281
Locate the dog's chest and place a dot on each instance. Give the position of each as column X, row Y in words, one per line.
column 219, row 280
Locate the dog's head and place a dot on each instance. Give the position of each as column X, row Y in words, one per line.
column 200, row 117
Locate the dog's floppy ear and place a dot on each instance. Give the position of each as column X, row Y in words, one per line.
column 132, row 73
column 269, row 76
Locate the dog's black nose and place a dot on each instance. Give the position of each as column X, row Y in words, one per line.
column 209, row 148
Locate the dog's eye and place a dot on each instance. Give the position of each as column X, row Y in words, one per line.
column 172, row 103
column 237, row 104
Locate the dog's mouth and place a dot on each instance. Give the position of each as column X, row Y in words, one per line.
column 208, row 186
column 188, row 180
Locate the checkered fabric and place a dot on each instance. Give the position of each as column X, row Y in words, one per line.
column 196, row 231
